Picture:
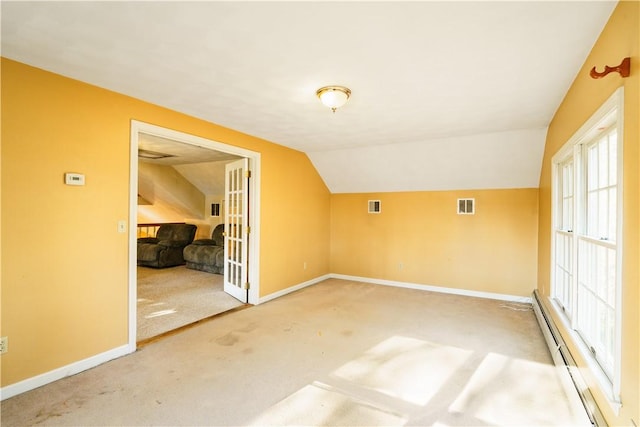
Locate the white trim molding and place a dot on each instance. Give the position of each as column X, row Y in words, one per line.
column 64, row 371
column 431, row 288
column 407, row 285
column 294, row 288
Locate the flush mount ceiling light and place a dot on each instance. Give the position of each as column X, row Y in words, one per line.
column 333, row 96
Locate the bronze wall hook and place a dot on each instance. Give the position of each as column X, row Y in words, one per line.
column 624, row 69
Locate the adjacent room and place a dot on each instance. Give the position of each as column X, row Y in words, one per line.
column 411, row 213
column 179, row 185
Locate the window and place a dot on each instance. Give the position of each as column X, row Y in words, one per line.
column 586, row 255
column 564, row 237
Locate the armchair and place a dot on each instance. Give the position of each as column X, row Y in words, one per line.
column 165, row 250
column 207, row 254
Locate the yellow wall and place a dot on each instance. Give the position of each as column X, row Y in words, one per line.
column 419, row 238
column 295, row 222
column 64, row 281
column 619, row 39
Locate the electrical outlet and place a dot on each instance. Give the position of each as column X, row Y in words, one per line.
column 4, row 345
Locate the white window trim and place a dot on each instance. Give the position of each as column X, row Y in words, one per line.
column 615, row 103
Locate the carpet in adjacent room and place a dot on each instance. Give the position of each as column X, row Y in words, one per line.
column 170, row 298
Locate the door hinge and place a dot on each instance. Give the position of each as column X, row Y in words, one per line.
column 246, row 286
column 248, row 229
column 247, row 174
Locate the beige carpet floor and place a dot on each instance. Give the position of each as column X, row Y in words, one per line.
column 169, row 298
column 336, row 353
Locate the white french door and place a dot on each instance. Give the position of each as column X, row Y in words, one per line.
column 236, row 241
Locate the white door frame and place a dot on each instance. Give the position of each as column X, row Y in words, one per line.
column 254, row 198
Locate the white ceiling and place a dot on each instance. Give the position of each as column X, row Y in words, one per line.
column 445, row 95
column 179, row 153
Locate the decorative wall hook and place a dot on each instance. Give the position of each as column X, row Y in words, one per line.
column 623, row 69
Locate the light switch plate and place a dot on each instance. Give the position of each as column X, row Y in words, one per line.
column 73, row 178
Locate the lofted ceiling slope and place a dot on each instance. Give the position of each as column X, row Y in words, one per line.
column 445, row 95
column 202, row 167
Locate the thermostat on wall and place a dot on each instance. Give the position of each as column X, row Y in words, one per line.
column 73, row 178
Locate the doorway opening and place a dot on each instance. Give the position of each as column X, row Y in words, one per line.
column 197, row 159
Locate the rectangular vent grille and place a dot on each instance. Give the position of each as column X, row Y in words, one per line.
column 466, row 206
column 375, row 206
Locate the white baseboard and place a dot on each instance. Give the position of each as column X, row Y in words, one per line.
column 63, row 372
column 441, row 289
column 293, row 288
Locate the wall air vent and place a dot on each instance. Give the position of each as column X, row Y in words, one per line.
column 375, row 206
column 466, row 206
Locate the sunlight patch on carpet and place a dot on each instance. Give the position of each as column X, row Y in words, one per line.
column 405, row 368
column 503, row 390
column 319, row 404
column 159, row 313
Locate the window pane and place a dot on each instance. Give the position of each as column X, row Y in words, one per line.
column 596, row 291
column 567, row 179
column 567, row 214
column 592, row 214
column 563, row 268
column 603, row 211
column 600, row 282
column 613, row 158
column 592, row 168
column 611, row 278
column 613, row 209
column 603, row 162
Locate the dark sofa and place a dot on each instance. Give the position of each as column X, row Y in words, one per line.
column 207, row 254
column 165, row 250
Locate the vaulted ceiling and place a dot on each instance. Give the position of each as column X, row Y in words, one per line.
column 445, row 95
column 202, row 167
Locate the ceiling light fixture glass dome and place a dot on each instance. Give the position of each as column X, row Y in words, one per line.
column 334, row 97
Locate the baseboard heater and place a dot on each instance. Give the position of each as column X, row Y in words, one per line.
column 563, row 359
